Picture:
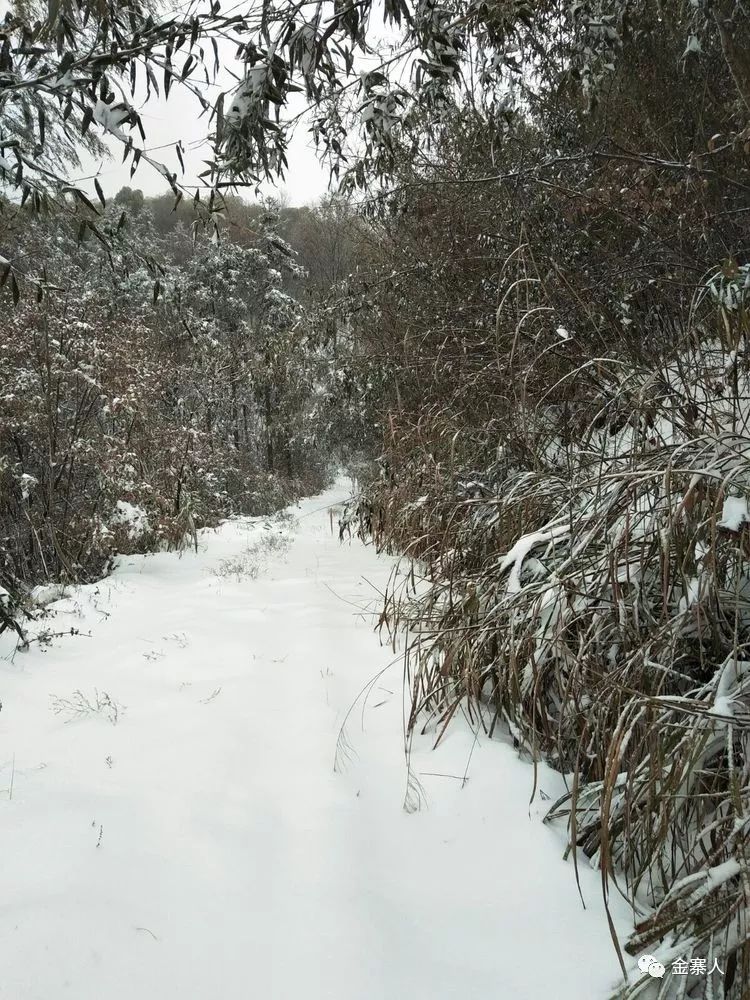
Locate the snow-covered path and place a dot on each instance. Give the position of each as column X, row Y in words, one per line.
column 204, row 847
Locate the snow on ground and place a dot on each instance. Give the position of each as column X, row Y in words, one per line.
column 172, row 826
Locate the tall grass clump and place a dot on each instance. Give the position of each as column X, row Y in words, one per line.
column 588, row 590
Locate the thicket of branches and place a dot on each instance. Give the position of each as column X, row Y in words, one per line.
column 162, row 381
column 562, row 286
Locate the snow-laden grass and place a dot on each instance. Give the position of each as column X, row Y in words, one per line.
column 598, row 605
column 236, row 827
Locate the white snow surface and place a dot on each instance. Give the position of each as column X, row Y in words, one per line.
column 734, row 513
column 47, row 593
column 205, row 847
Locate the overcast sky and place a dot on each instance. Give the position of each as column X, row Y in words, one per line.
column 167, row 121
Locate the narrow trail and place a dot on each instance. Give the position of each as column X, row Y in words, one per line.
column 203, row 847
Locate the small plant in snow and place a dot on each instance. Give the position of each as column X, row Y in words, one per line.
column 252, row 561
column 243, row 567
column 78, row 706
